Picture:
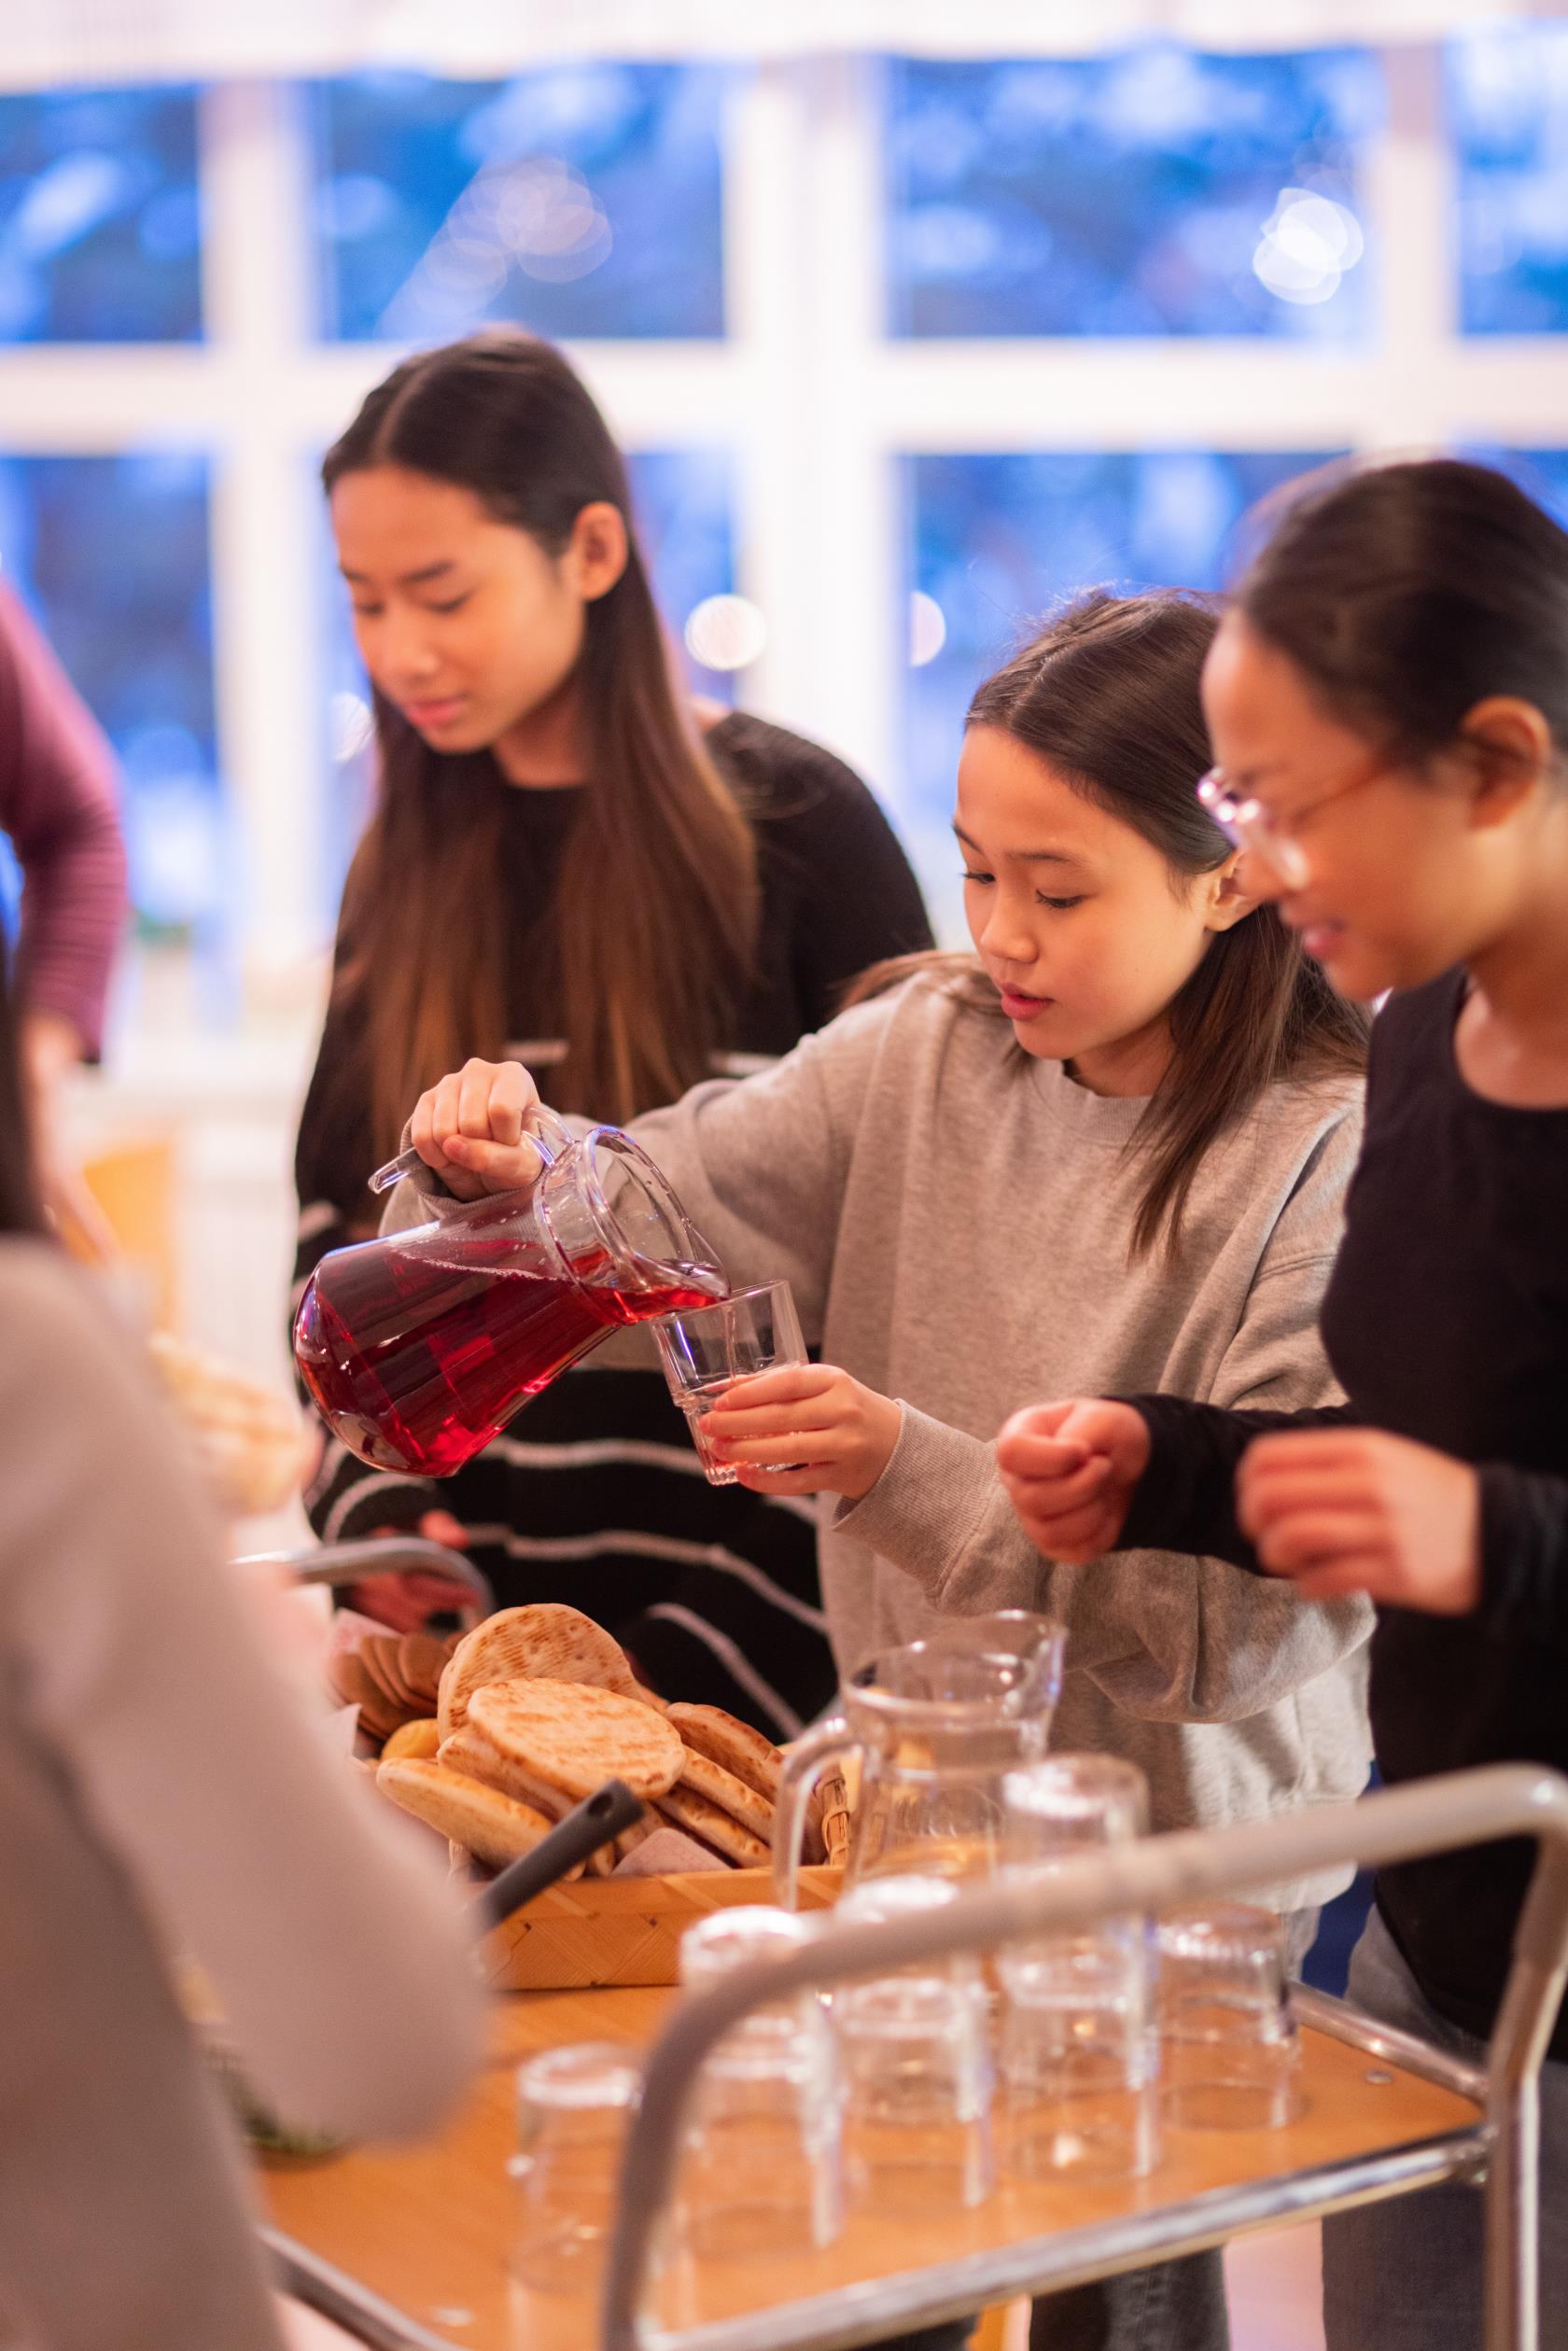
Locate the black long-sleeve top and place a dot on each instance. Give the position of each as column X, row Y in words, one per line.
column 593, row 1495
column 1446, row 1321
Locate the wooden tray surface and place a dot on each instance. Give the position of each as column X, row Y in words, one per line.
column 427, row 2226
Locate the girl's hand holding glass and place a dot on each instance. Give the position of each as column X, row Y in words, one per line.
column 471, row 1127
column 845, row 1431
column 1354, row 1510
column 1070, row 1470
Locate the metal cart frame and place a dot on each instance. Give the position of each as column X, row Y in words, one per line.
column 1157, row 1873
column 1498, row 2154
column 337, row 1563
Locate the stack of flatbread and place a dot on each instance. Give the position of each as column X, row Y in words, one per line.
column 538, row 1707
column 394, row 1681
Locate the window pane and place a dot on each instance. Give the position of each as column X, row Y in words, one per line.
column 100, row 227
column 582, row 200
column 996, row 541
column 1508, row 106
column 683, row 507
column 1155, row 192
column 111, row 552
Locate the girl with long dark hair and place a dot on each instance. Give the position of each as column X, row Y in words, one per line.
column 1117, row 1136
column 564, row 860
column 1389, row 701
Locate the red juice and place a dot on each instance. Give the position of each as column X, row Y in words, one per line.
column 417, row 1354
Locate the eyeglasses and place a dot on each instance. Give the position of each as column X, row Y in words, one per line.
column 1248, row 825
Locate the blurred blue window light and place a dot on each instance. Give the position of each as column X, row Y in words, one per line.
column 1157, row 191
column 996, row 541
column 1507, row 97
column 110, row 553
column 578, row 199
column 1541, row 473
column 100, row 216
column 683, row 500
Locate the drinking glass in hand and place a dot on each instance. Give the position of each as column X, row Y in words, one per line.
column 1228, row 2044
column 760, row 2168
column 1077, row 2052
column 705, row 1350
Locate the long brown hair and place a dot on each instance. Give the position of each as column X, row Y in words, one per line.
column 1108, row 693
column 655, row 903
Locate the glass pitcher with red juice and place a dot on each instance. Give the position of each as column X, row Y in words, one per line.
column 419, row 1347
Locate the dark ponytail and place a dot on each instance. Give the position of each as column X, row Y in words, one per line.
column 1406, row 593
column 1108, row 693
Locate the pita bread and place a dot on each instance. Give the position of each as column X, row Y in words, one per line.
column 542, row 1642
column 494, row 1828
column 353, row 1683
column 469, row 1753
column 574, row 1736
column 412, row 1743
column 700, row 1818
column 731, row 1795
column 728, row 1742
column 422, row 1661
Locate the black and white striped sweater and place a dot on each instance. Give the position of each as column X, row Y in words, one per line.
column 593, row 1495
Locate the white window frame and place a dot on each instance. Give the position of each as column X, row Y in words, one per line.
column 816, row 402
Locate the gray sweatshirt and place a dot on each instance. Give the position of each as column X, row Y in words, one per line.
column 954, row 1219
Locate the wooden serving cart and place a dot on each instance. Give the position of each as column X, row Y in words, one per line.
column 409, row 2251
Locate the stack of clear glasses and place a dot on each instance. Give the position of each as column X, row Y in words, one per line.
column 910, row 2094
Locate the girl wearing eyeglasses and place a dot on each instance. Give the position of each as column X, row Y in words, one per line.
column 1388, row 696
column 1115, row 1136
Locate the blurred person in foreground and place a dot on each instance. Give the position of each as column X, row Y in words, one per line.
column 58, row 806
column 164, row 1795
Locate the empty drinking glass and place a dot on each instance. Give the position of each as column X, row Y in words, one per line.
column 916, row 2063
column 1229, row 2050
column 761, row 2165
column 573, row 2108
column 1077, row 2054
column 916, row 2114
column 705, row 1350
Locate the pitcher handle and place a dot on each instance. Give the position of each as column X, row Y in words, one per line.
column 804, row 1764
column 549, row 1134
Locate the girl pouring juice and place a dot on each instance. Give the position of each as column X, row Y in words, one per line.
column 1118, row 1137
column 1389, row 701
